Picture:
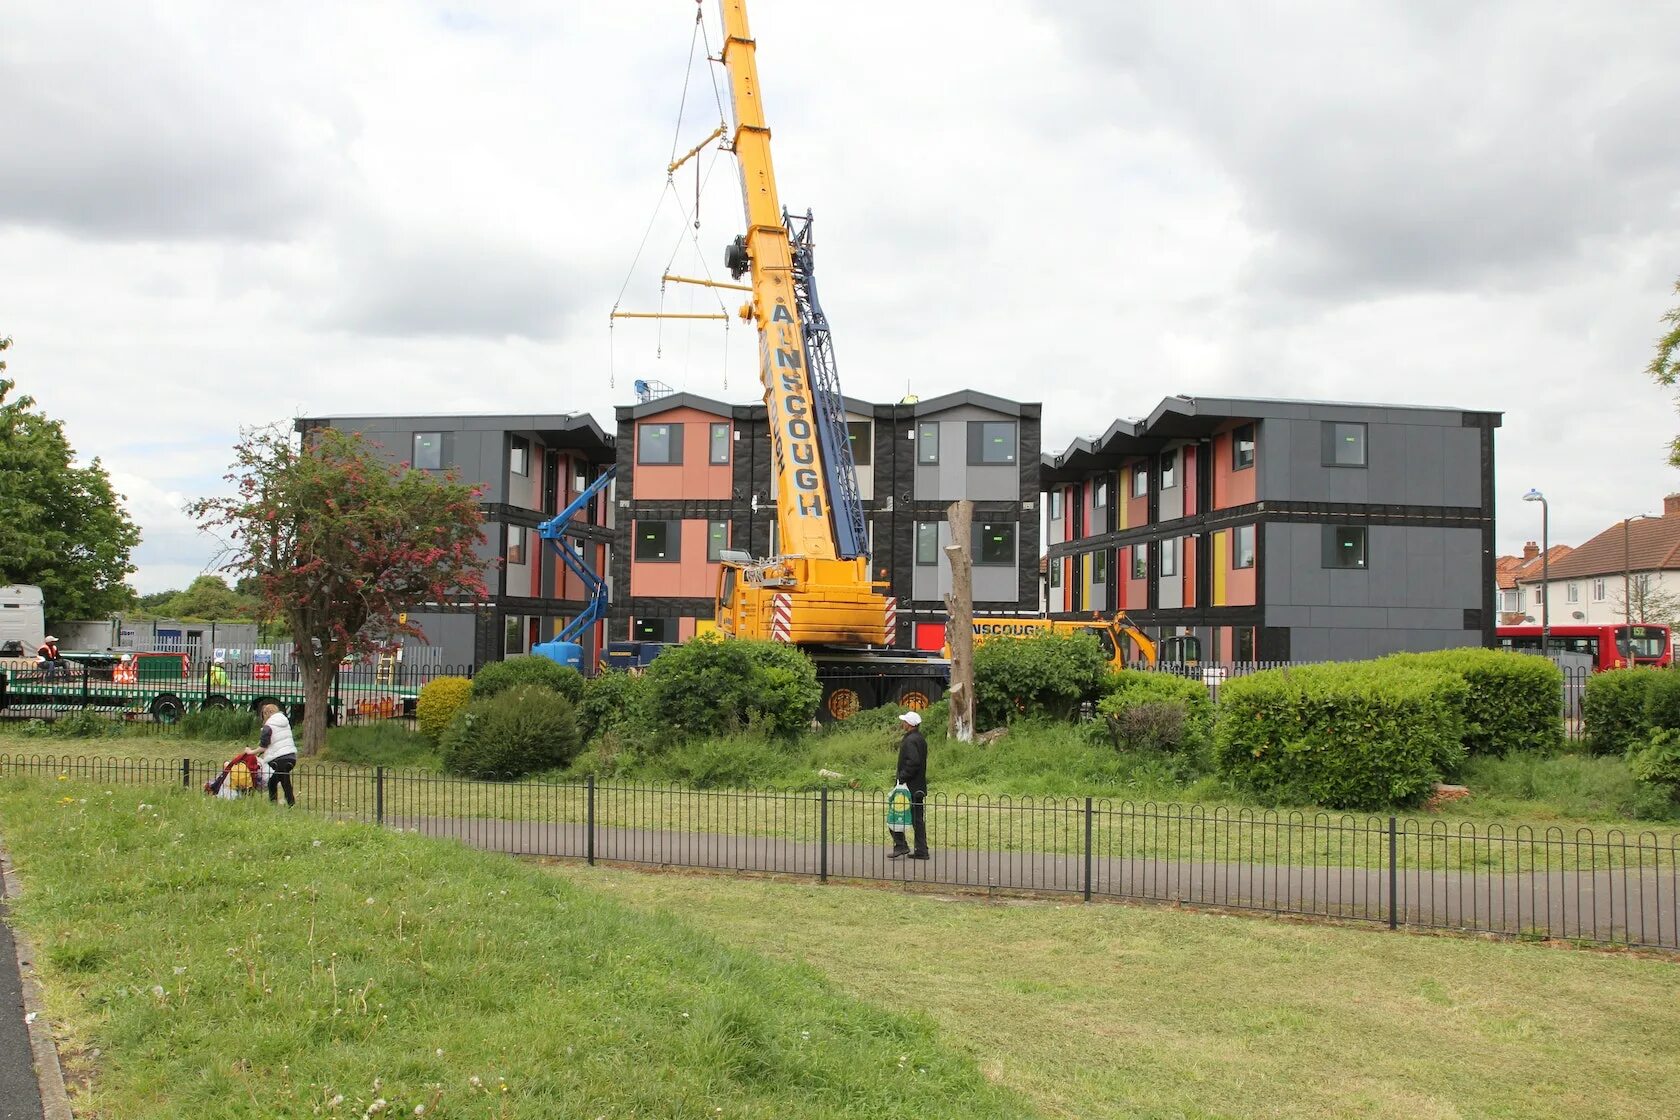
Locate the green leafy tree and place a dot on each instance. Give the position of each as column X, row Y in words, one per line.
column 62, row 527
column 343, row 544
column 210, row 598
column 1665, row 367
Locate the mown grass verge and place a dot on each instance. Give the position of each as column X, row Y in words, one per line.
column 234, row 960
column 1122, row 1011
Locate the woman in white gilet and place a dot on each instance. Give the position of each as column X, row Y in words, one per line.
column 279, row 752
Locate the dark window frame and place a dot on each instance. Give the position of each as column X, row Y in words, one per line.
column 665, row 627
column 673, row 542
column 1167, row 548
column 865, row 442
column 1238, row 461
column 1058, row 509
column 1253, row 532
column 1140, row 480
column 1335, row 554
column 1332, row 441
column 1099, row 566
column 1099, row 494
column 714, row 546
column 1053, row 570
column 980, row 443
column 1169, row 469
column 927, row 443
column 981, row 530
column 442, row 455
column 523, row 538
column 926, row 531
column 717, row 428
column 519, row 456
column 1140, row 561
column 673, row 445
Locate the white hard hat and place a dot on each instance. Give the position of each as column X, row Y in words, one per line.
column 911, row 718
column 50, row 638
column 219, row 660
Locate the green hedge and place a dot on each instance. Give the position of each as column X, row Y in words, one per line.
column 1362, row 735
column 514, row 733
column 1613, row 709
column 1130, row 691
column 500, row 676
column 715, row 686
column 613, row 701
column 441, row 700
column 1047, row 674
column 1514, row 702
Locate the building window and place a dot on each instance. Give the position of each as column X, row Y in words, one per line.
column 513, row 636
column 927, row 543
column 1242, row 556
column 658, row 542
column 1243, row 639
column 519, row 456
column 1344, row 546
column 1169, row 557
column 428, row 451
column 1598, row 590
column 718, row 456
column 1099, row 495
column 516, row 544
column 659, row 444
column 1169, row 474
column 861, row 435
column 1140, row 561
column 1344, row 444
column 1242, row 448
column 1510, row 600
column 1140, row 480
column 654, row 629
column 1056, row 511
column 717, row 539
column 1574, row 593
column 1055, row 569
column 991, row 442
column 927, row 443
column 994, row 544
column 1099, row 566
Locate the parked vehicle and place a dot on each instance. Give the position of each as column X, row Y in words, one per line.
column 1614, row 646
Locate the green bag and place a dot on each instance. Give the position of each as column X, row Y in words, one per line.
column 898, row 808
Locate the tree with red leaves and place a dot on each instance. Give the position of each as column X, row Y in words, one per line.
column 341, row 544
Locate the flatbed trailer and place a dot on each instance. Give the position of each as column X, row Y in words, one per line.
column 158, row 685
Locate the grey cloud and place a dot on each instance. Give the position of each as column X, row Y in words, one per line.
column 1419, row 148
column 133, row 124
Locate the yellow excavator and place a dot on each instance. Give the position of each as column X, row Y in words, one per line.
column 1121, row 640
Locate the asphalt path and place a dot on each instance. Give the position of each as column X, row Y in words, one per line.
column 1637, row 907
column 20, row 1095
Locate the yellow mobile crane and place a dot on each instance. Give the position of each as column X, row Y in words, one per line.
column 817, row 593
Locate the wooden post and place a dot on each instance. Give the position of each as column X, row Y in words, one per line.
column 959, row 620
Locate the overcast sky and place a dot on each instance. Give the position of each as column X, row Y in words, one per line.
column 215, row 215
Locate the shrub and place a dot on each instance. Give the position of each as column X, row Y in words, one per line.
column 515, row 733
column 441, row 700
column 1662, row 701
column 224, row 724
column 1155, row 725
column 613, row 700
column 1657, row 763
column 1514, row 701
column 712, row 686
column 1047, row 674
column 1613, row 709
column 1362, row 735
column 499, row 676
column 733, row 763
column 1131, row 689
column 85, row 724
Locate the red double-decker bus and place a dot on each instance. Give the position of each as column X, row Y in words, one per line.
column 1611, row 647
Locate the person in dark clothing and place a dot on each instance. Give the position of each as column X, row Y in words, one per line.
column 912, row 772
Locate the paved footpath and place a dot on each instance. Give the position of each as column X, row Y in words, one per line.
column 1637, row 907
column 20, row 1095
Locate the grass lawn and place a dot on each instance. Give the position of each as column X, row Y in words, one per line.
column 232, row 960
column 1135, row 1011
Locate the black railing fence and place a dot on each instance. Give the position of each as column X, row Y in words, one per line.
column 1600, row 886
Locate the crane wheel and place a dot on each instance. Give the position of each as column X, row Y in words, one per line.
column 843, row 703
column 167, row 707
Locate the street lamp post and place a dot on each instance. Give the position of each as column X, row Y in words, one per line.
column 1627, row 571
column 1545, row 570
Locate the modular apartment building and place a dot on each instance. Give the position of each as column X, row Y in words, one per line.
column 1280, row 530
column 530, row 468
column 695, row 477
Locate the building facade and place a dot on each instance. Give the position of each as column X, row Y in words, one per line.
column 696, row 476
column 1280, row 530
column 1628, row 572
column 530, row 467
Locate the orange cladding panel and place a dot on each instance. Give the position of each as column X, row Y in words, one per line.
column 695, row 478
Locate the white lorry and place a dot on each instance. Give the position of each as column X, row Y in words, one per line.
column 23, row 623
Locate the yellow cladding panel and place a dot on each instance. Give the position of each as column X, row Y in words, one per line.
column 1125, row 483
column 1221, row 547
column 704, row 626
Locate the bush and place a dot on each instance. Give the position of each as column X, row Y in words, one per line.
column 1156, row 725
column 223, row 724
column 1047, row 674
column 85, row 724
column 441, row 700
column 1514, row 700
column 714, row 686
column 1657, row 763
column 1613, row 709
column 518, row 732
column 1129, row 690
column 1363, row 735
column 1662, row 701
column 614, row 701
column 499, row 676
column 734, row 763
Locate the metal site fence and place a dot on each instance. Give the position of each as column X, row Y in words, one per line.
column 157, row 695
column 1601, row 886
